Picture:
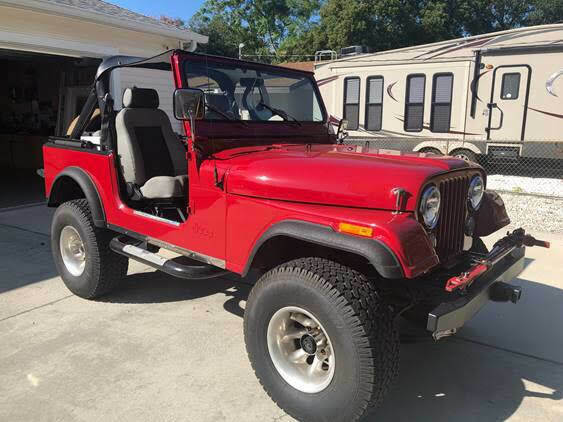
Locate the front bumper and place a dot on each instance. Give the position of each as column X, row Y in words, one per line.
column 447, row 317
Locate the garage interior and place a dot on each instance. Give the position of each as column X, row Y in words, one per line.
column 40, row 95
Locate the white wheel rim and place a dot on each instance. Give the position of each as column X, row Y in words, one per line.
column 300, row 349
column 72, row 251
column 462, row 155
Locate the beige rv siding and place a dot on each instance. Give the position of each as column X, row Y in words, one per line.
column 539, row 125
column 395, row 83
column 539, row 49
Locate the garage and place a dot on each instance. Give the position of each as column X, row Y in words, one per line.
column 49, row 53
column 41, row 95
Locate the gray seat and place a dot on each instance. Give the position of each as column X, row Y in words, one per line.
column 151, row 155
column 219, row 102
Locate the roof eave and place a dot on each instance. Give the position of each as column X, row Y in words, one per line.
column 105, row 19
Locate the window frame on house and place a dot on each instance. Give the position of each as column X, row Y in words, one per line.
column 409, row 104
column 369, row 104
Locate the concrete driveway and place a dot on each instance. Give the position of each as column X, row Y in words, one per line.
column 162, row 349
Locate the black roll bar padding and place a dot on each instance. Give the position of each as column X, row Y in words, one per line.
column 85, row 114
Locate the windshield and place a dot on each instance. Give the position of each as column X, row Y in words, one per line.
column 239, row 92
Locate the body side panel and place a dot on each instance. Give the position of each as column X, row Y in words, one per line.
column 204, row 230
column 401, row 233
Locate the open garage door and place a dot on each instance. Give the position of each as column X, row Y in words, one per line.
column 40, row 94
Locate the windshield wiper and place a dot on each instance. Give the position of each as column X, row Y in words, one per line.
column 225, row 115
column 282, row 113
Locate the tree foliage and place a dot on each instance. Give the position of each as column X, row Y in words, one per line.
column 262, row 25
column 282, row 28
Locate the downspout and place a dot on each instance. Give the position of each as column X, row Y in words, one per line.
column 475, row 83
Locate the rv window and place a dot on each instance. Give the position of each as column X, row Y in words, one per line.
column 414, row 103
column 352, row 102
column 374, row 103
column 441, row 111
column 510, row 86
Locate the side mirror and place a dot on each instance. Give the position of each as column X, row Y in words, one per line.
column 188, row 103
column 341, row 133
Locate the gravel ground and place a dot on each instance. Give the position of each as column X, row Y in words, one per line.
column 535, row 214
column 520, row 184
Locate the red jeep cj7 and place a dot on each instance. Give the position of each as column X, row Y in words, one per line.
column 346, row 238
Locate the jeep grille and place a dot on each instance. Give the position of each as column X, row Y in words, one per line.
column 450, row 229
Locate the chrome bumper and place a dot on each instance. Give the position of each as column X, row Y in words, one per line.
column 447, row 317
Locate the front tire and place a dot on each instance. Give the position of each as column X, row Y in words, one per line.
column 355, row 355
column 81, row 252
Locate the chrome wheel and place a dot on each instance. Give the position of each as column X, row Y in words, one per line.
column 465, row 155
column 462, row 156
column 72, row 251
column 300, row 349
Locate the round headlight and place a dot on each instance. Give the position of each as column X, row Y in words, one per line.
column 430, row 206
column 476, row 191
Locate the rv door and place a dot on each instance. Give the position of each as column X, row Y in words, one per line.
column 508, row 104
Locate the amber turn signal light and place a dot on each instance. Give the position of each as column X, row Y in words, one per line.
column 354, row 229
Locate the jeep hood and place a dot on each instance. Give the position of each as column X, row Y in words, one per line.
column 340, row 175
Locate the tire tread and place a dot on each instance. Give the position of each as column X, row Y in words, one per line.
column 112, row 267
column 367, row 315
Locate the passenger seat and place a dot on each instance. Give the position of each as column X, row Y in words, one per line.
column 151, row 155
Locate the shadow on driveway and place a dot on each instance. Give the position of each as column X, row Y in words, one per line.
column 463, row 381
column 454, row 379
column 158, row 287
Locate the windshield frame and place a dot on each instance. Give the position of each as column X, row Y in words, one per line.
column 186, row 59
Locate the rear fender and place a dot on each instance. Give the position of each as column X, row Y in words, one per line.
column 64, row 188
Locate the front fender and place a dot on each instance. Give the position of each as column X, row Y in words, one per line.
column 375, row 251
column 491, row 216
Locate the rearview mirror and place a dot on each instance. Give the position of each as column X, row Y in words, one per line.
column 188, row 103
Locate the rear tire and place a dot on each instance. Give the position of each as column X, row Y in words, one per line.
column 81, row 252
column 431, row 150
column 343, row 306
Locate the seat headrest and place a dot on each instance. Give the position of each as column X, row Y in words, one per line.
column 219, row 101
column 140, row 98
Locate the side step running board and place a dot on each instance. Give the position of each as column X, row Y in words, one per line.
column 169, row 266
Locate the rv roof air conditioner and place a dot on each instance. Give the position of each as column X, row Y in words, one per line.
column 352, row 50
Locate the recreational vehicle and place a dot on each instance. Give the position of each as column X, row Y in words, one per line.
column 498, row 96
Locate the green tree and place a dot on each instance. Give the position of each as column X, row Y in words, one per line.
column 482, row 16
column 291, row 28
column 224, row 37
column 380, row 24
column 546, row 11
column 261, row 24
column 388, row 24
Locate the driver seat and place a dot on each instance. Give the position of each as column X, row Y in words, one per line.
column 152, row 157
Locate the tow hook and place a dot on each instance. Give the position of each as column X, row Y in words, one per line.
column 503, row 247
column 504, row 292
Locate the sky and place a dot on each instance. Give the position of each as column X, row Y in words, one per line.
column 174, row 8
